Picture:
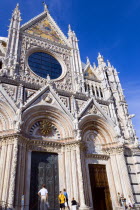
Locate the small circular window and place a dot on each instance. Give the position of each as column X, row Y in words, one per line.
column 44, row 64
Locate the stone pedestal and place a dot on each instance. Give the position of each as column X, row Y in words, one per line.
column 84, row 207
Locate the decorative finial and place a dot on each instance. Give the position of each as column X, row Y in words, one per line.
column 45, row 6
column 17, row 6
column 88, row 61
column 99, row 55
column 48, row 78
column 94, row 65
column 108, row 63
column 69, row 28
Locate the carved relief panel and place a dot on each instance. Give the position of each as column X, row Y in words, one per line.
column 93, row 143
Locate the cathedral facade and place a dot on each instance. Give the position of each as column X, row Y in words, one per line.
column 63, row 123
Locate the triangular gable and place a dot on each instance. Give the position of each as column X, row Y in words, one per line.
column 45, row 27
column 7, row 98
column 92, row 107
column 42, row 96
column 89, row 73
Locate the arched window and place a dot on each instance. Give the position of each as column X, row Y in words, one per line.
column 97, row 92
column 101, row 93
column 85, row 87
column 93, row 90
column 88, row 89
column 0, row 64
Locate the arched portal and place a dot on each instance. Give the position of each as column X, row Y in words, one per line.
column 47, row 129
column 96, row 134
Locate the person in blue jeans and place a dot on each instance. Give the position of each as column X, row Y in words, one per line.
column 66, row 196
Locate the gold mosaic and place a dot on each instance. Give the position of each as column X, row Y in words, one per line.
column 45, row 30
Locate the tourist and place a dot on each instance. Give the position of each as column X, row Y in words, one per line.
column 130, row 203
column 119, row 199
column 66, row 196
column 74, row 204
column 43, row 194
column 62, row 200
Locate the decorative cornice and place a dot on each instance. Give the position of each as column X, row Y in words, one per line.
column 48, row 41
column 98, row 156
column 114, row 150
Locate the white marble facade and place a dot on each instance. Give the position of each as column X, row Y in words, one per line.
column 85, row 105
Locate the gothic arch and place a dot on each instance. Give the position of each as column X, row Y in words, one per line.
column 62, row 123
column 102, row 129
column 6, row 117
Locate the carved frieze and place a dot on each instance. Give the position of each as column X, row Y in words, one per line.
column 65, row 100
column 94, row 110
column 79, row 104
column 11, row 90
column 29, row 92
column 105, row 109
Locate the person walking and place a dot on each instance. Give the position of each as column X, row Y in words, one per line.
column 74, row 204
column 130, row 203
column 62, row 200
column 66, row 196
column 43, row 194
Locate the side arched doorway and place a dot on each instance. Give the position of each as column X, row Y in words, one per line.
column 95, row 135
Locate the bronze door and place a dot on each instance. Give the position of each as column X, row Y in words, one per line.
column 44, row 170
column 99, row 187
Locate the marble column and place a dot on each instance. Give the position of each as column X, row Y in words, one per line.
column 27, row 180
column 124, row 176
column 13, row 175
column 80, row 179
column 111, row 183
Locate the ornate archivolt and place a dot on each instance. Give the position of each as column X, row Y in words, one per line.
column 46, row 122
column 6, row 117
column 95, row 132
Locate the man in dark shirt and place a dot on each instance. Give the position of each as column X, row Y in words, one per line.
column 74, row 204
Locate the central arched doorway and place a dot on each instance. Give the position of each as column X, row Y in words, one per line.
column 46, row 128
column 44, row 170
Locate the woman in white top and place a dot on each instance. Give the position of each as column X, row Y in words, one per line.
column 43, row 194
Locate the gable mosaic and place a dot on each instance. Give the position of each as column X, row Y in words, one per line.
column 45, row 30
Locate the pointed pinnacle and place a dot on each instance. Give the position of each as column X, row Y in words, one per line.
column 88, row 61
column 99, row 55
column 108, row 63
column 69, row 28
column 94, row 65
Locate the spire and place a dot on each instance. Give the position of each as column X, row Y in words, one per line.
column 13, row 39
column 16, row 12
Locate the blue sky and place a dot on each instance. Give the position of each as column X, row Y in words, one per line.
column 109, row 27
